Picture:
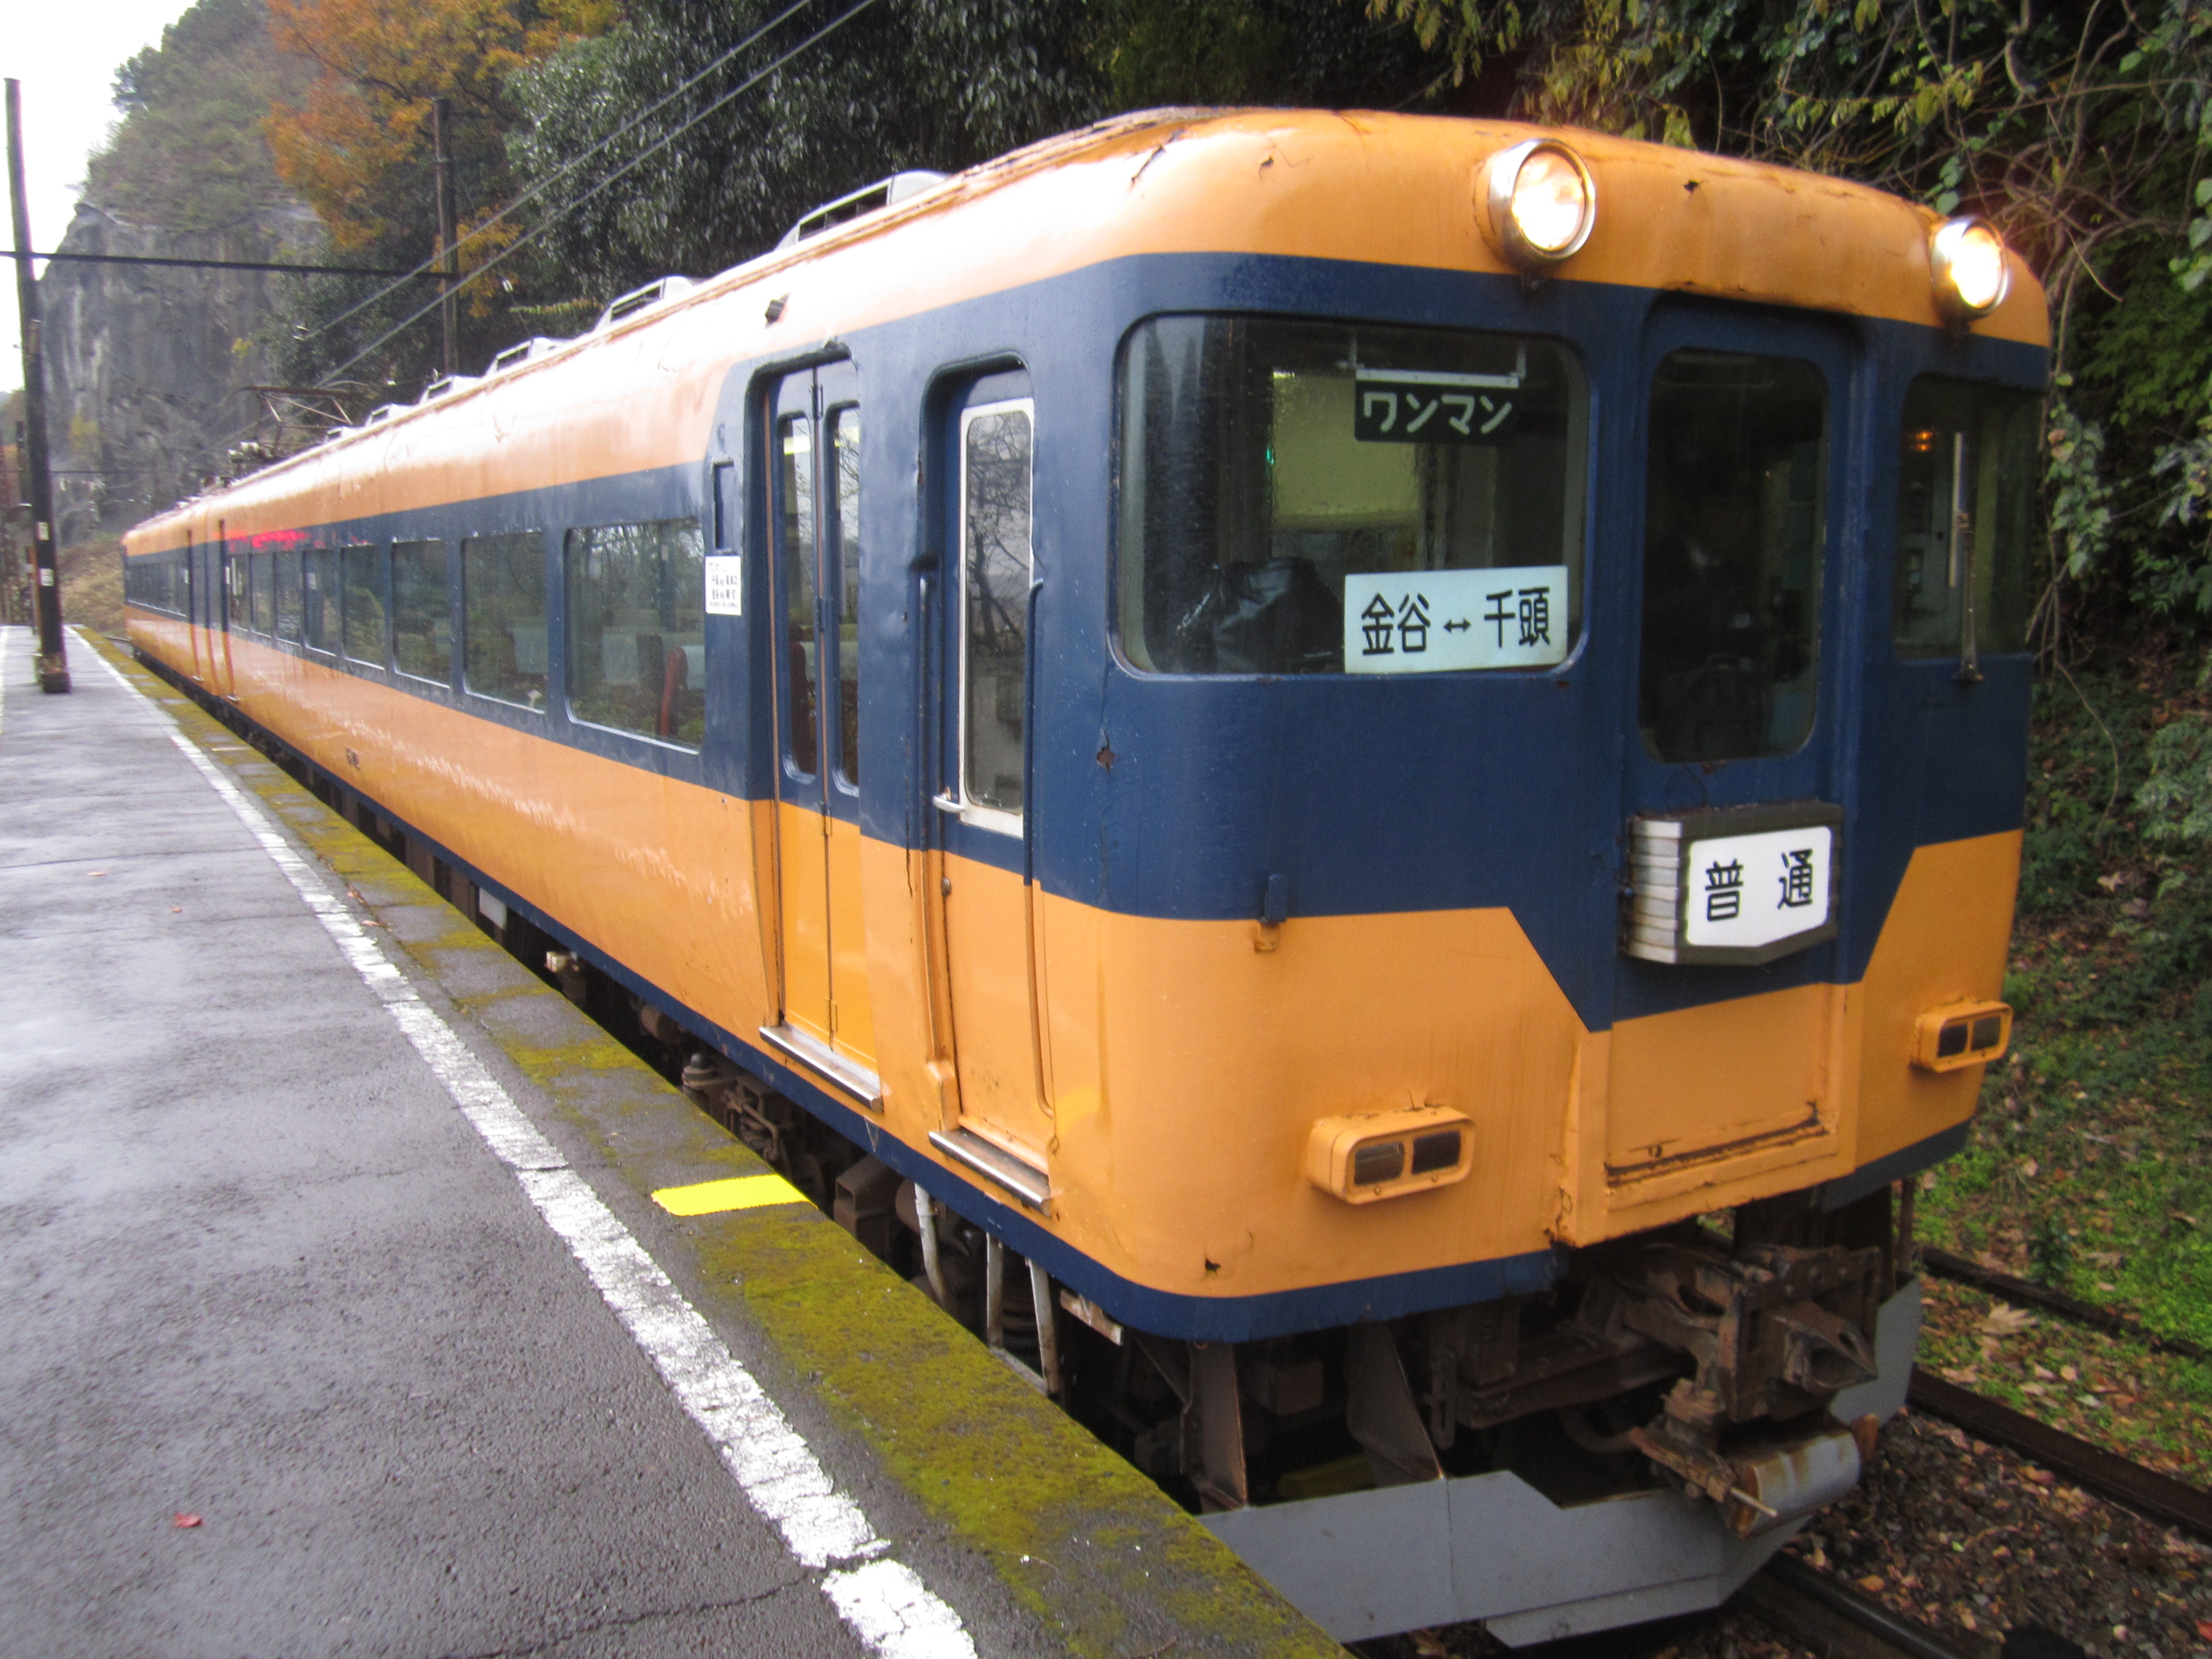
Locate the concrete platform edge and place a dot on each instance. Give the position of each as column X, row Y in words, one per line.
column 1079, row 1539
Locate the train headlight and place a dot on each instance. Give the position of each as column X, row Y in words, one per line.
column 1967, row 259
column 1961, row 1034
column 1363, row 1157
column 1538, row 202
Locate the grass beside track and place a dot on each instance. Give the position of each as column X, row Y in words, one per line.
column 2089, row 1168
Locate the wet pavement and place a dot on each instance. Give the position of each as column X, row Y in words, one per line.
column 299, row 1358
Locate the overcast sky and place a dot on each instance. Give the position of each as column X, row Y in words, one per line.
column 65, row 54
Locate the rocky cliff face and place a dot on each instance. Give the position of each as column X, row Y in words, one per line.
column 147, row 365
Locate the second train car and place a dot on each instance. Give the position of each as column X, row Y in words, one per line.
column 1390, row 749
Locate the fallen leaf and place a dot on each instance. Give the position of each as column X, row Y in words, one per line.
column 2042, row 1477
column 1871, row 1583
column 1430, row 1646
column 185, row 1520
column 2028, row 1167
column 176, row 910
column 2204, row 1629
column 95, row 872
column 2005, row 1320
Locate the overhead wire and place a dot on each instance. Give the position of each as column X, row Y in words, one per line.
column 429, row 267
column 556, row 214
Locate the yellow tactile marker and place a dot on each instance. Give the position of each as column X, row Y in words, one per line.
column 739, row 1192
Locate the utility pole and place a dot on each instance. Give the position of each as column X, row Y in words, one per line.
column 53, row 663
column 13, row 596
column 449, row 263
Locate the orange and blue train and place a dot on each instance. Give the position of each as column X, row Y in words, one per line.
column 1389, row 749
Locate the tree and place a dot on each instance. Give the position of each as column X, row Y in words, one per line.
column 188, row 153
column 937, row 84
column 356, row 145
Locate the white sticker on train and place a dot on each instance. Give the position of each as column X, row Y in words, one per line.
column 726, row 585
column 1429, row 621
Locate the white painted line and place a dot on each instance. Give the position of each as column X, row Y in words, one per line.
column 881, row 1600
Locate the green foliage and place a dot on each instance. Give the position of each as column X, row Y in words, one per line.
column 909, row 83
column 188, row 153
column 2078, row 498
column 1154, row 54
column 937, row 84
column 2176, row 799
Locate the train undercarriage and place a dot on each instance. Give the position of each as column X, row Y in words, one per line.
column 1734, row 1367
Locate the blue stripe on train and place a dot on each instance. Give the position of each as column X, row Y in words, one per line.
column 1368, row 795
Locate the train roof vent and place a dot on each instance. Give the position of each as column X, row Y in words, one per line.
column 521, row 352
column 383, row 412
column 866, row 199
column 640, row 299
column 446, row 384
column 338, row 432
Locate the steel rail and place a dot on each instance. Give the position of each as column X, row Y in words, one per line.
column 2160, row 1498
column 1835, row 1620
column 1959, row 1270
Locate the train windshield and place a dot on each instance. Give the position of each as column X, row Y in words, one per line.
column 1314, row 498
column 1735, row 519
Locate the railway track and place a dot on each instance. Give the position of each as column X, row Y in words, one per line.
column 1838, row 1622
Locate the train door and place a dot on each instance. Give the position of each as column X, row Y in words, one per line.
column 815, row 437
column 983, row 802
column 229, row 575
column 195, row 599
column 1735, row 706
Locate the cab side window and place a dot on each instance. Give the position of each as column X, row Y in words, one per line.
column 1965, row 490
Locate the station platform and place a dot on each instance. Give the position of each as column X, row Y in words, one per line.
column 341, row 1319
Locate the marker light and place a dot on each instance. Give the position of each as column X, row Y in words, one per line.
column 1363, row 1157
column 1538, row 202
column 1967, row 258
column 1961, row 1034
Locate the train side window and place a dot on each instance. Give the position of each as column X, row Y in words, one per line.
column 794, row 484
column 289, row 608
column 421, row 611
column 1965, row 487
column 360, row 572
column 995, row 461
column 264, row 594
column 844, row 540
column 319, row 600
column 637, row 629
column 1734, row 523
column 1301, row 497
column 504, row 639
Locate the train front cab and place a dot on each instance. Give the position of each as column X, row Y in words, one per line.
column 1624, row 789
